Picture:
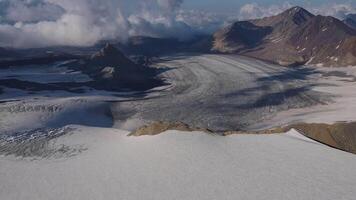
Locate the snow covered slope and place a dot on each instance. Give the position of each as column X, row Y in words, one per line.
column 106, row 164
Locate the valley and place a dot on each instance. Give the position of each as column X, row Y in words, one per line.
column 153, row 100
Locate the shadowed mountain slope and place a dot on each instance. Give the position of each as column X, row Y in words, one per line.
column 350, row 20
column 112, row 69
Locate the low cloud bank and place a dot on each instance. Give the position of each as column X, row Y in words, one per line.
column 42, row 23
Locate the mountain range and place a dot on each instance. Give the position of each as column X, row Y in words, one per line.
column 291, row 38
column 294, row 37
column 350, row 20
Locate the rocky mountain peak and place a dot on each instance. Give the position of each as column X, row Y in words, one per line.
column 291, row 38
column 108, row 51
column 298, row 14
column 298, row 10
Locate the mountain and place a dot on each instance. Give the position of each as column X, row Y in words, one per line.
column 7, row 54
column 350, row 20
column 291, row 38
column 150, row 46
column 112, row 69
column 351, row 16
column 240, row 36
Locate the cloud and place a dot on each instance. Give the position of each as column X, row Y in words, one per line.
column 336, row 10
column 254, row 10
column 204, row 22
column 80, row 23
column 159, row 21
column 169, row 5
column 32, row 11
column 42, row 23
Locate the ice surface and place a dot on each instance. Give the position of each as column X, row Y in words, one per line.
column 340, row 84
column 44, row 74
column 178, row 165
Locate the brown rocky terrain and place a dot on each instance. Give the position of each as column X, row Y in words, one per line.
column 291, row 38
column 340, row 135
column 159, row 127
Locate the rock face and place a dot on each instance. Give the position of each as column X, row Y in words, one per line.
column 293, row 37
column 340, row 135
column 112, row 69
column 239, row 36
column 159, row 127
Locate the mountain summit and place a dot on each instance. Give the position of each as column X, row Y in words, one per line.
column 112, row 69
column 290, row 38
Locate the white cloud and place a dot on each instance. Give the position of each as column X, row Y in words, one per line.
column 254, row 10
column 336, row 10
column 82, row 23
column 32, row 11
column 40, row 23
column 204, row 22
column 170, row 5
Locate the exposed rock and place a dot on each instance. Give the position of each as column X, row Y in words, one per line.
column 263, row 132
column 159, row 127
column 239, row 36
column 112, row 70
column 294, row 37
column 340, row 135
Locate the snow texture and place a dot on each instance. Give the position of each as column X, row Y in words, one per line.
column 178, row 165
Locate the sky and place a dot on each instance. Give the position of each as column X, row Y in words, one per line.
column 42, row 23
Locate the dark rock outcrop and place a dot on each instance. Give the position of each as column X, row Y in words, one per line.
column 111, row 69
